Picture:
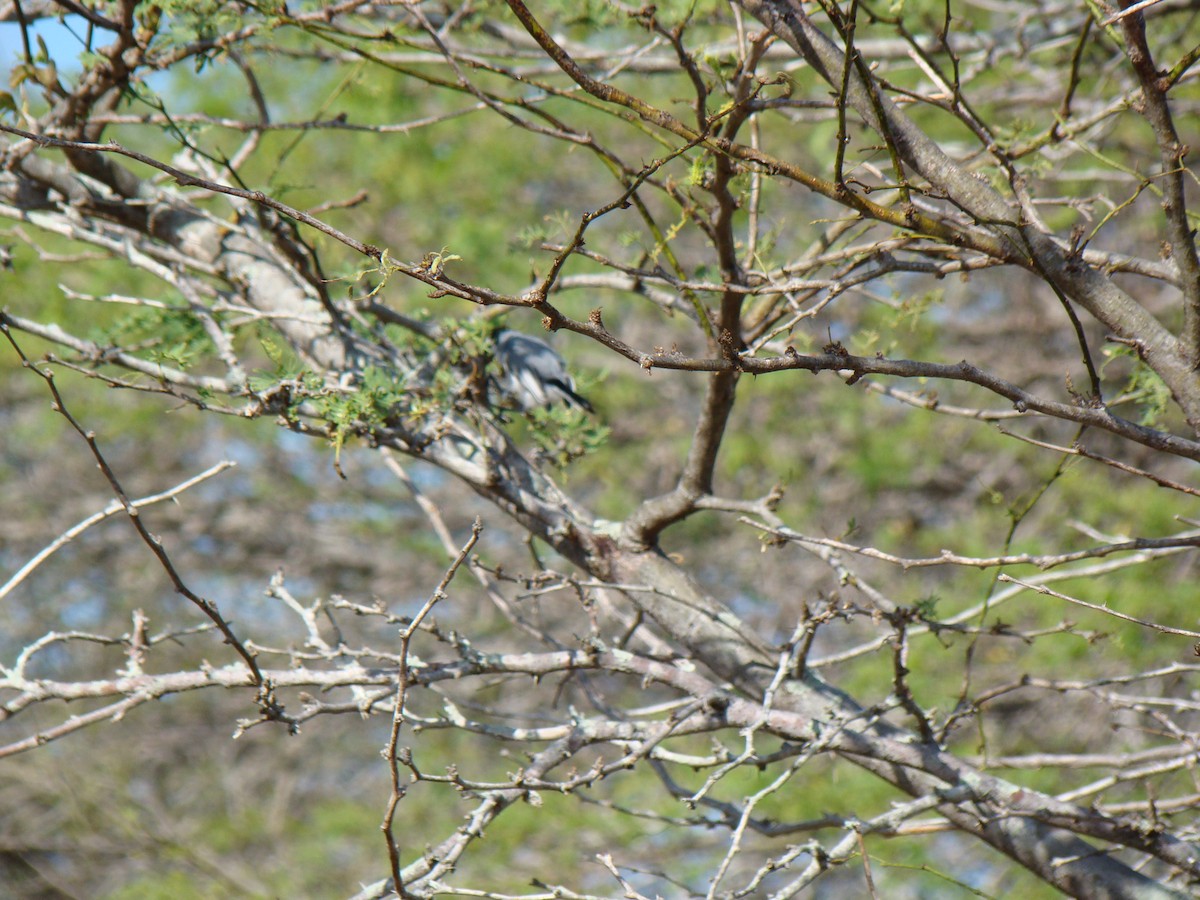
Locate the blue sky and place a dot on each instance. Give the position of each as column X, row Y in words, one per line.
column 64, row 46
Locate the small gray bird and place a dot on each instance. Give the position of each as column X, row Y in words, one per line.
column 534, row 373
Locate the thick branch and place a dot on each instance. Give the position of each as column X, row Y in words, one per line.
column 1080, row 282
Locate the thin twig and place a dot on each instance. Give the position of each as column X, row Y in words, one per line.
column 391, row 751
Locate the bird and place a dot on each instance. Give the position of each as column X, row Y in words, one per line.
column 533, row 373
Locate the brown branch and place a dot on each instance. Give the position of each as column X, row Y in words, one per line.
column 1013, row 239
column 1188, row 541
column 112, row 509
column 187, row 180
column 858, row 366
column 1157, row 112
column 1096, row 607
column 152, row 541
column 392, row 752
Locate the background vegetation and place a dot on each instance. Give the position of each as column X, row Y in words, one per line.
column 874, row 574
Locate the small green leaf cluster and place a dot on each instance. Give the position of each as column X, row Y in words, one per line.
column 1143, row 385
column 168, row 335
column 193, row 20
column 378, row 396
column 563, row 435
